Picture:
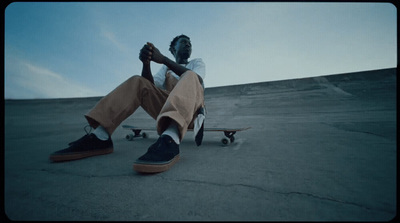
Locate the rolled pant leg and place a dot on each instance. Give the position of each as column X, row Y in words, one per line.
column 182, row 104
column 120, row 103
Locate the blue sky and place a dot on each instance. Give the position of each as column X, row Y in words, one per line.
column 62, row 50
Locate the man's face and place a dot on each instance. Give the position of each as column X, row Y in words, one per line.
column 183, row 48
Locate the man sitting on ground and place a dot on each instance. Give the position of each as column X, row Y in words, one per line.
column 173, row 97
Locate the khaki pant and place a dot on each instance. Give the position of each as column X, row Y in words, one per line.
column 180, row 102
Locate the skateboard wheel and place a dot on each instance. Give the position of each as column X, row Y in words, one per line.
column 232, row 138
column 145, row 135
column 129, row 137
column 225, row 141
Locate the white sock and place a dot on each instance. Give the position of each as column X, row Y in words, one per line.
column 101, row 133
column 173, row 132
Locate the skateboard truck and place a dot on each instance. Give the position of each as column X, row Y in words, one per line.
column 229, row 137
column 137, row 134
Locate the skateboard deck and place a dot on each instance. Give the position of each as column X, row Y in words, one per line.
column 228, row 132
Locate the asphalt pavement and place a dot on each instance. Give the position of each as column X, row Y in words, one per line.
column 320, row 149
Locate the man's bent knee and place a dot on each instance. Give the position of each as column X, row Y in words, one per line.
column 193, row 75
column 189, row 73
column 137, row 80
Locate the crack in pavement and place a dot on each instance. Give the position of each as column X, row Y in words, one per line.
column 283, row 193
column 323, row 198
column 290, row 193
column 349, row 129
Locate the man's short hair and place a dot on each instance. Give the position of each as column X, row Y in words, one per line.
column 173, row 42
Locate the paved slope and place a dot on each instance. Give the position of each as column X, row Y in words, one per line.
column 321, row 148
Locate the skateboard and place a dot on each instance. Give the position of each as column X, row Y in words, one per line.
column 228, row 132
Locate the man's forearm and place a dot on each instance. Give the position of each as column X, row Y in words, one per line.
column 146, row 72
column 175, row 67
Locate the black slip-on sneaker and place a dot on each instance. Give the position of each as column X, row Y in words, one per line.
column 87, row 146
column 160, row 156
